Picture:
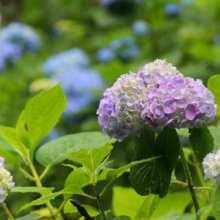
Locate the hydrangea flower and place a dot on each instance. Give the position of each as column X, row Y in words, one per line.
column 6, row 183
column 10, row 53
column 105, row 55
column 178, row 102
column 172, row 9
column 119, row 111
column 74, row 58
column 23, row 35
column 129, row 53
column 211, row 165
column 140, row 27
column 106, row 2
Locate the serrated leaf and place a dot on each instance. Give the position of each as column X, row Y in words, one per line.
column 148, row 207
column 167, row 144
column 216, row 203
column 71, row 189
column 213, row 86
column 9, row 158
column 173, row 215
column 204, row 212
column 59, row 149
column 69, row 208
column 215, row 131
column 122, row 217
column 9, row 134
column 28, row 217
column 154, row 177
column 201, row 141
column 113, row 174
column 79, row 179
column 40, row 116
column 42, row 190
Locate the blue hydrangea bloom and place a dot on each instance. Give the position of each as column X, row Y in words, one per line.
column 129, row 53
column 116, row 44
column 105, row 55
column 140, row 28
column 106, row 2
column 23, row 35
column 74, row 58
column 172, row 9
column 216, row 39
column 9, row 53
column 211, row 165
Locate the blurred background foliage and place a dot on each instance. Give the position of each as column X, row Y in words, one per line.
column 108, row 38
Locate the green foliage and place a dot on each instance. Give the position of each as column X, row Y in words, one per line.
column 148, row 207
column 213, row 85
column 201, row 141
column 216, row 203
column 59, row 149
column 10, row 158
column 29, row 217
column 40, row 116
column 215, row 131
column 154, row 177
column 171, row 216
column 204, row 212
column 69, row 208
column 42, row 190
column 122, row 217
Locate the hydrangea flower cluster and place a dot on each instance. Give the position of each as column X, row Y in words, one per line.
column 22, row 35
column 211, row 165
column 73, row 58
column 10, row 53
column 6, row 183
column 159, row 96
column 141, row 28
column 172, row 9
column 123, row 48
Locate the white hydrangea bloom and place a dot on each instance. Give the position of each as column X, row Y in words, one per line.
column 211, row 166
column 6, row 183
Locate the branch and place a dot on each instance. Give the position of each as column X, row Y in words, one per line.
column 81, row 210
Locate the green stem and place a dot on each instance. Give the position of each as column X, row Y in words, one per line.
column 61, row 207
column 99, row 202
column 27, row 174
column 39, row 184
column 189, row 179
column 44, row 173
column 7, row 212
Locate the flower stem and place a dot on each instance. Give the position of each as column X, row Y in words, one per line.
column 7, row 212
column 189, row 179
column 186, row 184
column 99, row 202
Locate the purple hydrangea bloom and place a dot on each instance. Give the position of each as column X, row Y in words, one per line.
column 10, row 53
column 23, row 35
column 119, row 112
column 211, row 165
column 178, row 102
column 105, row 55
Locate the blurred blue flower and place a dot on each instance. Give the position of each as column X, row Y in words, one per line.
column 106, row 2
column 129, row 53
column 129, row 41
column 188, row 3
column 141, row 28
column 74, row 58
column 105, row 55
column 22, row 35
column 172, row 9
column 9, row 53
column 216, row 39
column 55, row 133
column 116, row 44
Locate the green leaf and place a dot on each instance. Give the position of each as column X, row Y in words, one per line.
column 70, row 208
column 113, row 174
column 5, row 145
column 213, row 86
column 120, row 204
column 42, row 190
column 173, row 215
column 148, row 207
column 122, row 217
column 91, row 159
column 71, row 189
column 216, row 203
column 168, row 145
column 10, row 158
column 201, row 141
column 9, row 134
column 59, row 149
column 215, row 131
column 188, row 216
column 28, row 217
column 183, row 132
column 154, row 177
column 40, row 116
column 204, row 212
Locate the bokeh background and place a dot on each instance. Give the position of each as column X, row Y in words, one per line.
column 88, row 44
